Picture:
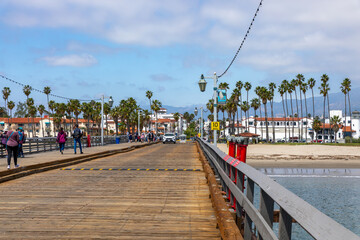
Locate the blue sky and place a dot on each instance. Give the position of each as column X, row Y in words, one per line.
column 83, row 49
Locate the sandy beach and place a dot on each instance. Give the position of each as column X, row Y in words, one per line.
column 301, row 156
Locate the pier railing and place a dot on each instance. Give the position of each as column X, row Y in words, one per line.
column 259, row 221
column 36, row 145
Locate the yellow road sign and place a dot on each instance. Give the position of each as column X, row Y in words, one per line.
column 215, row 126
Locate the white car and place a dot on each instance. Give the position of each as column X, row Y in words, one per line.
column 169, row 137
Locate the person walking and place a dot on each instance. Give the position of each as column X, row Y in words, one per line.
column 61, row 139
column 12, row 144
column 22, row 139
column 77, row 135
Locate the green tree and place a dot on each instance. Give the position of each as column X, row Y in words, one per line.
column 304, row 88
column 115, row 114
column 41, row 109
column 345, row 89
column 335, row 123
column 47, row 91
column 272, row 87
column 281, row 91
column 258, row 93
column 156, row 105
column 247, row 87
column 300, row 80
column 149, row 95
column 177, row 117
column 6, row 93
column 255, row 104
column 10, row 106
column 324, row 90
column 291, row 88
column 316, row 126
column 264, row 94
column 239, row 85
column 245, row 107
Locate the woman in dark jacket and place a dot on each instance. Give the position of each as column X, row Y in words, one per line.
column 12, row 144
column 61, row 139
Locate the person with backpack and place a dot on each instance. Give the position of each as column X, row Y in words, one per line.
column 77, row 135
column 12, row 144
column 61, row 139
column 22, row 139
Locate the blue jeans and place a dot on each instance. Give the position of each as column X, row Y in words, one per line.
column 79, row 141
column 62, row 146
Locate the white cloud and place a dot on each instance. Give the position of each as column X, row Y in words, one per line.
column 73, row 60
column 307, row 35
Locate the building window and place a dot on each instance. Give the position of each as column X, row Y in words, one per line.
column 251, row 123
column 20, row 125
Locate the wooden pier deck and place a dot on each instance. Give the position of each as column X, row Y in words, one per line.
column 157, row 192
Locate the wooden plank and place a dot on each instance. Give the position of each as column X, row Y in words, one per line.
column 113, row 204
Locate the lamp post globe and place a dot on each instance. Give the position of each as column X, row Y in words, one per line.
column 111, row 102
column 202, row 83
column 196, row 111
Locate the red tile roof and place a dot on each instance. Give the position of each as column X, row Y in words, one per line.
column 347, row 129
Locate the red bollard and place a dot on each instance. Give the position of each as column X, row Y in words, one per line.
column 88, row 140
column 232, row 148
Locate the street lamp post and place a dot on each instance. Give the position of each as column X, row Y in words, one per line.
column 139, row 112
column 202, row 84
column 111, row 101
column 196, row 113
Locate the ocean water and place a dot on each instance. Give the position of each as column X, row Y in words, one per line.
column 335, row 192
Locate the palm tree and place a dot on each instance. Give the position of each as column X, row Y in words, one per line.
column 115, row 114
column 106, row 112
column 52, row 108
column 149, row 95
column 255, row 104
column 32, row 113
column 264, row 95
column 294, row 82
column 76, row 108
column 231, row 108
column 245, row 107
column 10, row 106
column 223, row 86
column 156, row 105
column 348, row 86
column 247, row 87
column 286, row 86
column 335, row 123
column 6, row 93
column 236, row 93
column 41, row 109
column 281, row 90
column 27, row 90
column 345, row 88
column 311, row 84
column 177, row 117
column 272, row 87
column 304, row 88
column 324, row 89
column 258, row 93
column 30, row 103
column 300, row 80
column 290, row 90
column 47, row 91
column 316, row 125
column 86, row 108
column 239, row 85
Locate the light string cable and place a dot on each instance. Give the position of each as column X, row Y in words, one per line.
column 37, row 90
column 244, row 39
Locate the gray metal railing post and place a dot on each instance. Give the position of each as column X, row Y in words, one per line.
column 239, row 184
column 285, row 225
column 248, row 223
column 266, row 208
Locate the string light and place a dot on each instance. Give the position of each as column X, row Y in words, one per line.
column 37, row 90
column 244, row 39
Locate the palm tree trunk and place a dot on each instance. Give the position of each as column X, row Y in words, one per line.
column 292, row 114
column 266, row 125
column 255, row 121
column 237, row 119
column 306, row 115
column 284, row 114
column 323, row 133
column 329, row 117
column 301, row 119
column 297, row 112
column 241, row 113
column 261, row 125
column 272, row 116
column 287, row 114
column 345, row 118
column 350, row 116
column 313, row 116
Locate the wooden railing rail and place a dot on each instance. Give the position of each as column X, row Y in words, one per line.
column 292, row 207
column 36, row 145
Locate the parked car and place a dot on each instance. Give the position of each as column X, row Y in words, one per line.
column 169, row 137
